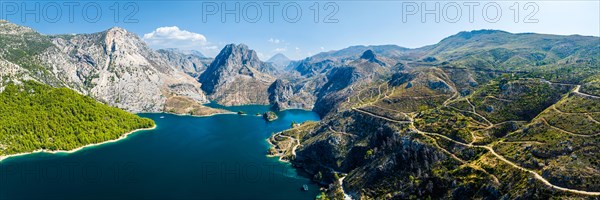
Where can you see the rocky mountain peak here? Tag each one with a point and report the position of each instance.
(120, 34)
(236, 68)
(126, 49)
(239, 52)
(237, 59)
(116, 29)
(368, 55)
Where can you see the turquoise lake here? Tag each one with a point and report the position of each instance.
(216, 157)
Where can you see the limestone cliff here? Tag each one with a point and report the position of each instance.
(237, 77)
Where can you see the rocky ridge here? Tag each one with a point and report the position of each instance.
(237, 77)
(114, 66)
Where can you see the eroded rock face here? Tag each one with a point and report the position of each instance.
(114, 66)
(283, 95)
(237, 77)
(280, 92)
(117, 67)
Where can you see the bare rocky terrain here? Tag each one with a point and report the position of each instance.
(115, 67)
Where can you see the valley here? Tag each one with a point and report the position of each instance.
(483, 114)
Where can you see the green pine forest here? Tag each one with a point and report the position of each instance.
(34, 116)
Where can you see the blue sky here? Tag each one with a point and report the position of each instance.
(191, 24)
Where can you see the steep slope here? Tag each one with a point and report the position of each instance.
(415, 138)
(113, 66)
(237, 77)
(558, 58)
(117, 67)
(369, 67)
(458, 121)
(285, 95)
(322, 85)
(19, 50)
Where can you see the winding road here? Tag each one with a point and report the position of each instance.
(584, 94)
(490, 149)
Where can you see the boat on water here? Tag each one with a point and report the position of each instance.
(162, 117)
(305, 187)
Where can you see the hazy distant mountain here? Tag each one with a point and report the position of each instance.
(500, 50)
(354, 52)
(280, 61)
(186, 52)
(191, 62)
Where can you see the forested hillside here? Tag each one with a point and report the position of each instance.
(39, 117)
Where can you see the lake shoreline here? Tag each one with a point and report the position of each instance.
(189, 115)
(2, 158)
(279, 155)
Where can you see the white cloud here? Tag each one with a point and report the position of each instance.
(173, 37)
(275, 41)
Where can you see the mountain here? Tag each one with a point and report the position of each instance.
(285, 95)
(195, 53)
(191, 62)
(318, 85)
(536, 53)
(114, 66)
(354, 52)
(280, 61)
(237, 77)
(481, 115)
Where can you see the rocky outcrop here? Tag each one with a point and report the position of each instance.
(370, 56)
(237, 77)
(280, 93)
(270, 116)
(283, 95)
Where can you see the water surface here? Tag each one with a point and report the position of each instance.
(216, 157)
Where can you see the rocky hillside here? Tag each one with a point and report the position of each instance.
(237, 77)
(113, 66)
(433, 126)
